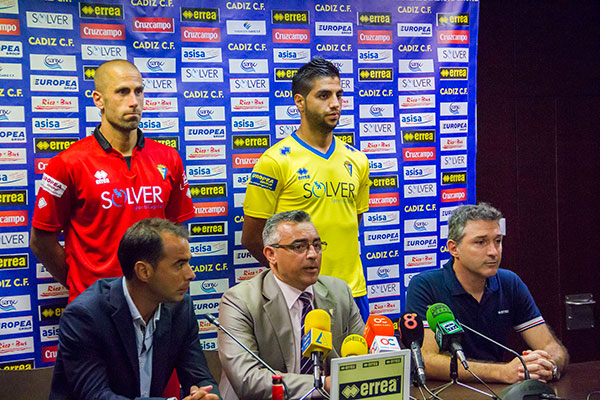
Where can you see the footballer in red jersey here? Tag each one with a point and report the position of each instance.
(103, 184)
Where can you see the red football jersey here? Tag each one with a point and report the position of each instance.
(90, 192)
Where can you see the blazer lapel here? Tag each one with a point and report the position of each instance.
(278, 314)
(324, 301)
(124, 325)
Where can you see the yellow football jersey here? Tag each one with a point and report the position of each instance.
(332, 187)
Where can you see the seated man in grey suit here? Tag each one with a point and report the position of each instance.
(265, 312)
(122, 337)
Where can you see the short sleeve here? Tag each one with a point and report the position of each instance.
(55, 197)
(180, 207)
(526, 313)
(362, 198)
(263, 188)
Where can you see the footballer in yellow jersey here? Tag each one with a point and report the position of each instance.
(313, 171)
(332, 187)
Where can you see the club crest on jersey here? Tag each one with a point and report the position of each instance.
(348, 166)
(303, 174)
(162, 170)
(101, 177)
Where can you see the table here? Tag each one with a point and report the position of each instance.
(579, 380)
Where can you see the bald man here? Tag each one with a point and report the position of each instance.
(105, 183)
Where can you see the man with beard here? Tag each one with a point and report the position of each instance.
(103, 184)
(313, 171)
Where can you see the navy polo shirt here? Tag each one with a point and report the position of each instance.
(506, 304)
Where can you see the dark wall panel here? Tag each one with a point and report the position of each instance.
(539, 149)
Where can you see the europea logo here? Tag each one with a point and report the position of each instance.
(143, 196)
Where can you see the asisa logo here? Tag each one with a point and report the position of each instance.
(142, 197)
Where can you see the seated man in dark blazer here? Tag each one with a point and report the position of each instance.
(122, 337)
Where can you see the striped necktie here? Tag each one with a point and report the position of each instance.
(305, 363)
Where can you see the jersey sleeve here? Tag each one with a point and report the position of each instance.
(180, 207)
(54, 201)
(419, 297)
(362, 198)
(526, 314)
(263, 188)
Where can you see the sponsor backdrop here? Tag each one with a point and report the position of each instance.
(217, 81)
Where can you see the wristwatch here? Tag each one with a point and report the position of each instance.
(555, 372)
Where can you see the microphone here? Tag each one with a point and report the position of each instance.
(316, 342)
(354, 345)
(448, 332)
(411, 335)
(211, 318)
(379, 334)
(377, 325)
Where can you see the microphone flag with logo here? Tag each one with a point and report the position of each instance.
(354, 345)
(379, 334)
(448, 333)
(411, 335)
(317, 333)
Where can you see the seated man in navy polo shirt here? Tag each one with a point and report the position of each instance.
(486, 298)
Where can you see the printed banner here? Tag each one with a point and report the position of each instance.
(217, 78)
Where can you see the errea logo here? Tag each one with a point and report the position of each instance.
(101, 177)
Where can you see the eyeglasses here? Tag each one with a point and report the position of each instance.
(302, 246)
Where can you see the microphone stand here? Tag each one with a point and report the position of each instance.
(318, 383)
(211, 318)
(454, 380)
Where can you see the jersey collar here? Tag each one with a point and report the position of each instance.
(317, 152)
(141, 141)
(456, 288)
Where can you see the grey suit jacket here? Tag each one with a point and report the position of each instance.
(255, 312)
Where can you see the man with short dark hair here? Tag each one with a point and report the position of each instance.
(102, 184)
(266, 312)
(123, 337)
(314, 171)
(487, 298)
